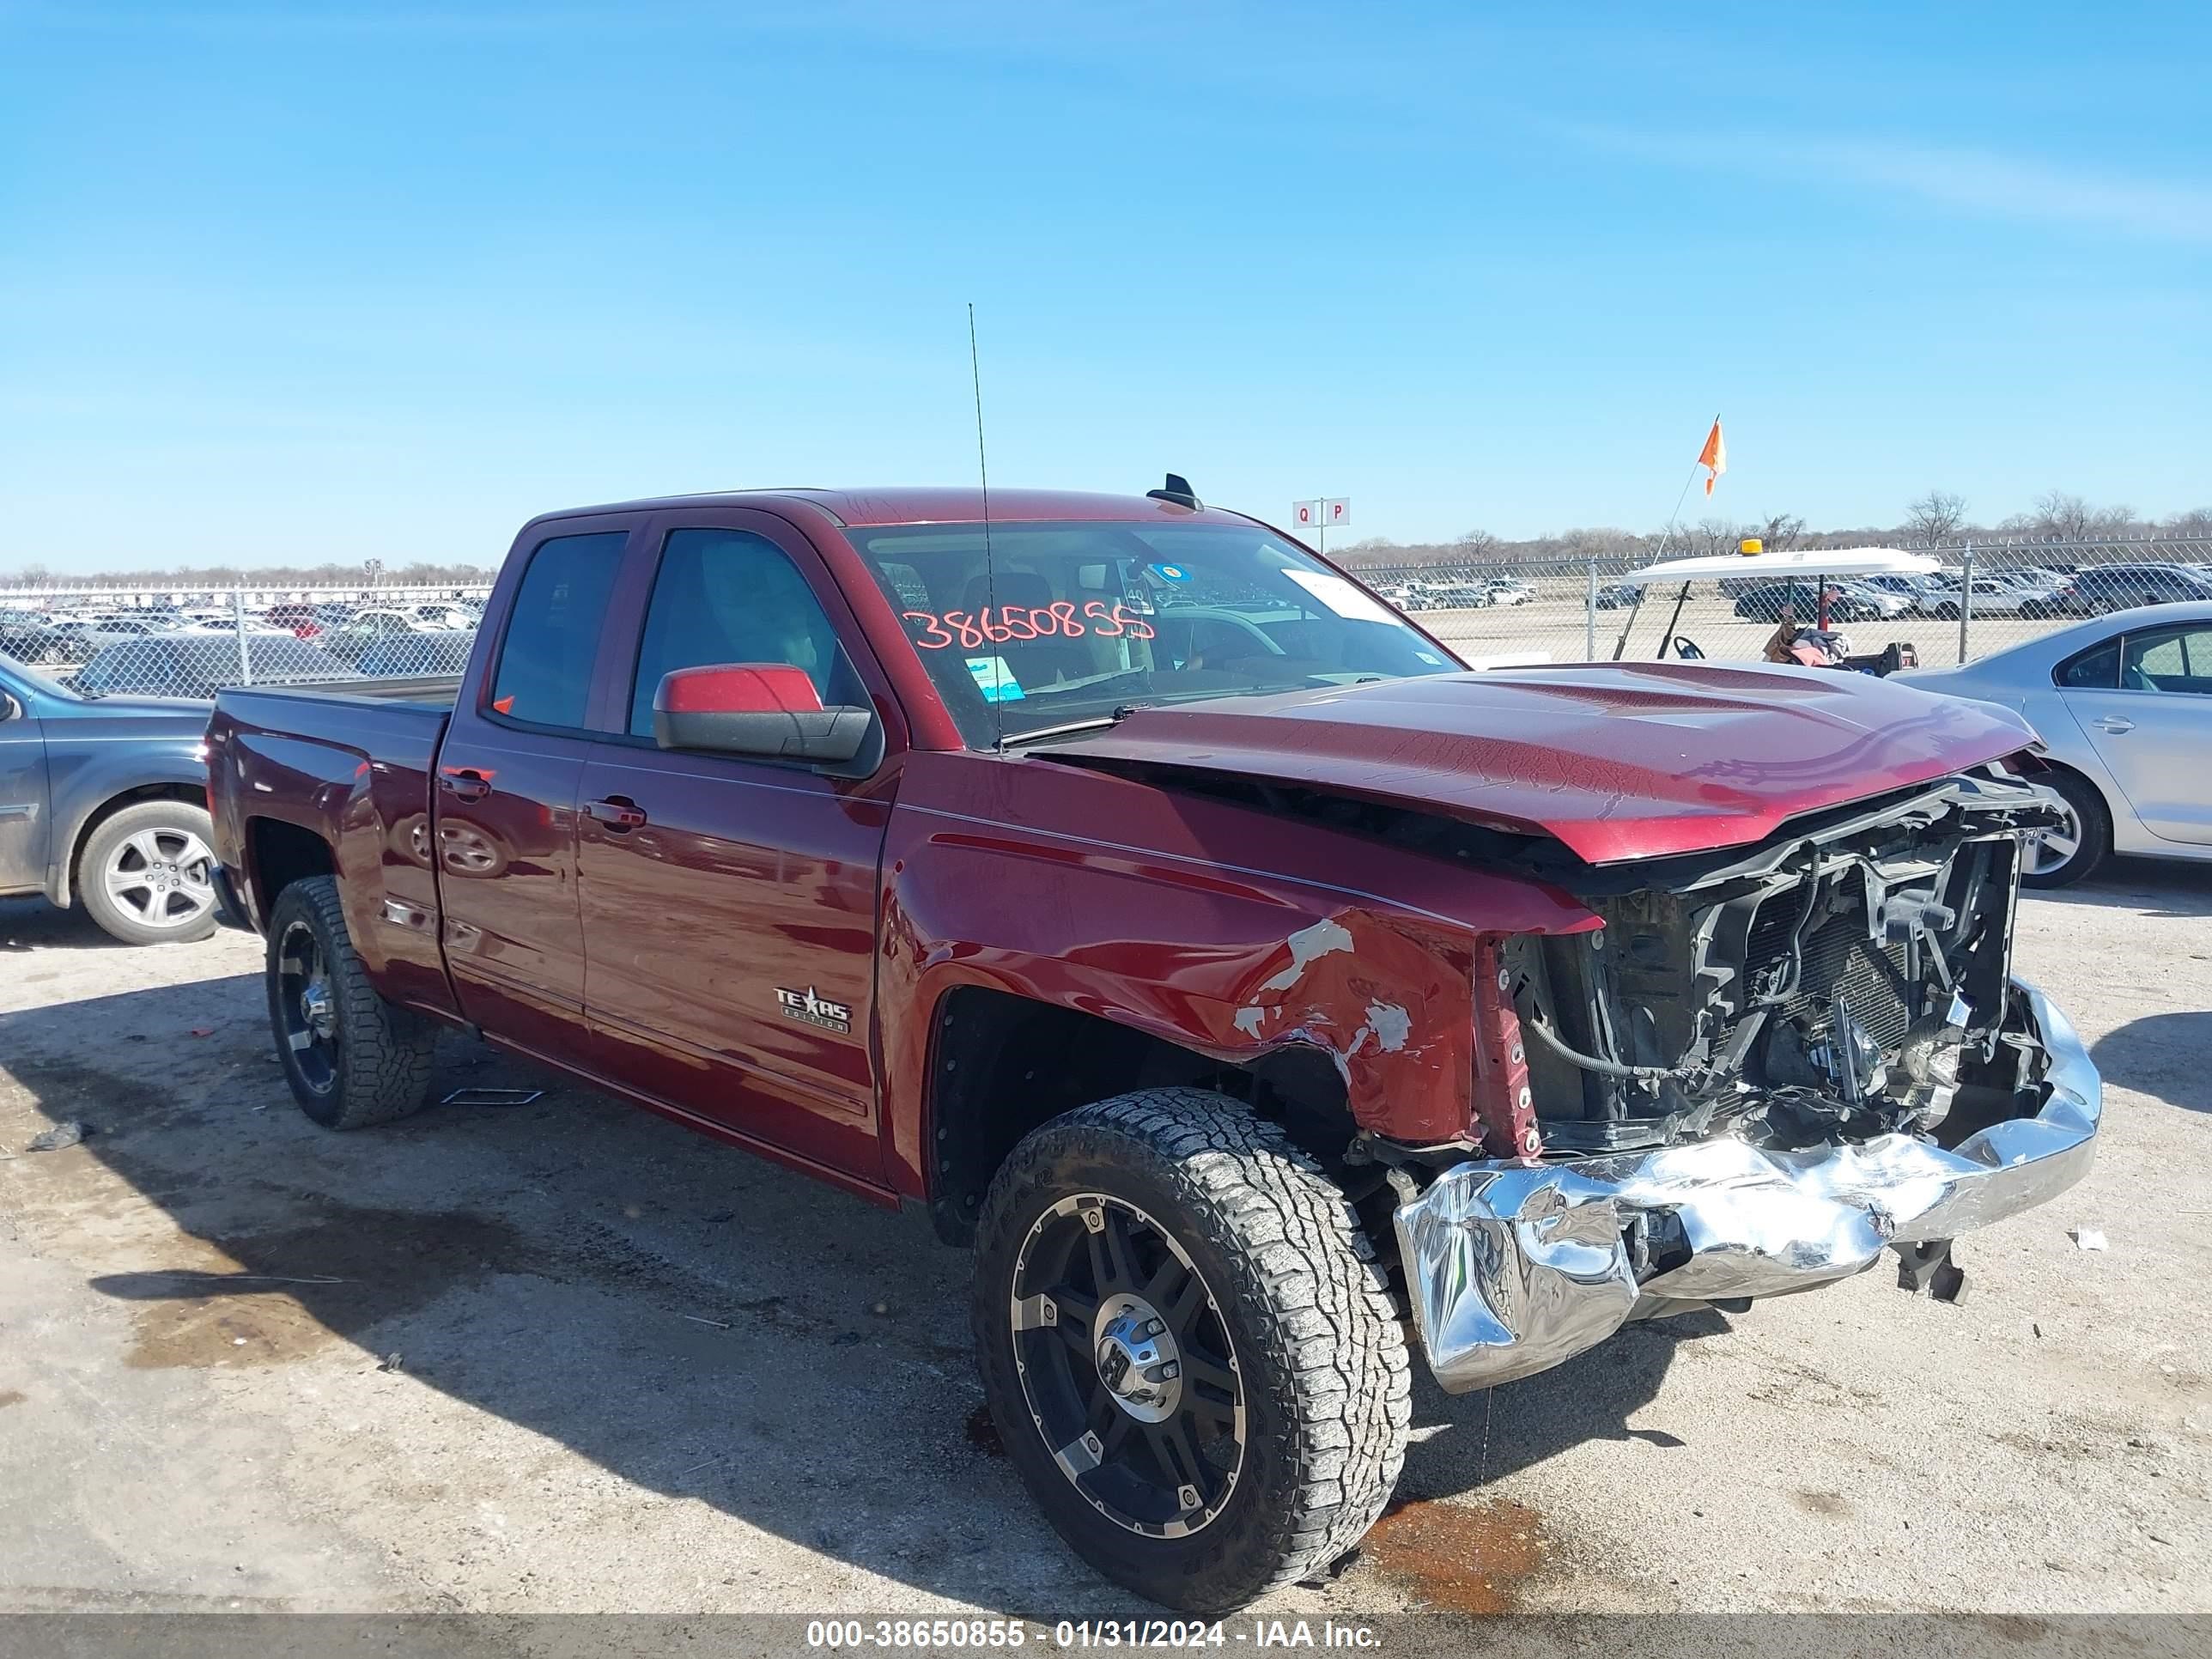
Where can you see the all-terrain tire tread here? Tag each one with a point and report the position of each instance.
(386, 1053)
(1344, 1384)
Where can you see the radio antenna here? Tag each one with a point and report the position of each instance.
(993, 692)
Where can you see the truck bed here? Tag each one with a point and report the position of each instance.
(345, 770)
(425, 690)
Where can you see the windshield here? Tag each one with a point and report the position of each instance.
(1072, 621)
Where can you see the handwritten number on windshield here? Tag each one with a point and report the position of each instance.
(1012, 623)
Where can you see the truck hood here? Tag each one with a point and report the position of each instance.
(1616, 761)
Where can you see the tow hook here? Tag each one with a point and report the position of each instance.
(1929, 1268)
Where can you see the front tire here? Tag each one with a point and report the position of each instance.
(147, 876)
(1188, 1351)
(2061, 857)
(352, 1058)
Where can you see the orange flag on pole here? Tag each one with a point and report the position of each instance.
(1714, 456)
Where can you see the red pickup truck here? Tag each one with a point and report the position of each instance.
(1260, 994)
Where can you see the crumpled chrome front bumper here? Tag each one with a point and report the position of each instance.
(1513, 1266)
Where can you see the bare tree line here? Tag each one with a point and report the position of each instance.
(1937, 518)
(1934, 519)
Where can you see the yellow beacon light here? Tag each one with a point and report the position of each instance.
(1750, 546)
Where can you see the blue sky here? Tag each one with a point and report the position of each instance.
(299, 282)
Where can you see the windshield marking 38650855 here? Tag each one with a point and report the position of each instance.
(1063, 623)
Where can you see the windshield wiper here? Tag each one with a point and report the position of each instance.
(1097, 722)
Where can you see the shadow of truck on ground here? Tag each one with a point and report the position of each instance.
(691, 1319)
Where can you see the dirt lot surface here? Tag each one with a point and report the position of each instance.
(568, 1356)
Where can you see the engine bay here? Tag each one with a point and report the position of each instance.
(1839, 983)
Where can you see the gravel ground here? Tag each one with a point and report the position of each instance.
(568, 1357)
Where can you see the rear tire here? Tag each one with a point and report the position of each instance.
(1279, 1434)
(2062, 857)
(147, 874)
(352, 1058)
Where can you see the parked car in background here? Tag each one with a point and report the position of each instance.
(1458, 596)
(1992, 597)
(1917, 592)
(445, 614)
(1510, 590)
(226, 625)
(97, 634)
(350, 638)
(1886, 604)
(197, 664)
(1619, 596)
(2123, 705)
(1764, 603)
(2098, 589)
(397, 655)
(306, 620)
(103, 804)
(31, 639)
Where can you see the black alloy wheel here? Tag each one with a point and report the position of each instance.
(1127, 1367)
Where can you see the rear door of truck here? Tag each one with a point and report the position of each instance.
(729, 904)
(505, 801)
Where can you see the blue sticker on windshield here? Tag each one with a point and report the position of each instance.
(994, 679)
(1169, 573)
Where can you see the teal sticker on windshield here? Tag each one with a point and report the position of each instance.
(994, 679)
(1169, 573)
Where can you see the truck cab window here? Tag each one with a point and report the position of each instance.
(544, 673)
(728, 596)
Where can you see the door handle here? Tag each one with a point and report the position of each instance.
(465, 785)
(617, 812)
(2115, 724)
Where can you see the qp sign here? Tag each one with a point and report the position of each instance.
(1307, 515)
(1336, 511)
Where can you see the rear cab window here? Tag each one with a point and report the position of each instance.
(543, 674)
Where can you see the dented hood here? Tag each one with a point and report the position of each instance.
(1617, 762)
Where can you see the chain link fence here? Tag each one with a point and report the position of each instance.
(1507, 610)
(138, 642)
(111, 640)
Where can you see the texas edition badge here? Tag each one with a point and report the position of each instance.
(811, 1009)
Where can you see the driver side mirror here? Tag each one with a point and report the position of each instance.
(761, 711)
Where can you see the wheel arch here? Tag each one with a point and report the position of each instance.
(1002, 1064)
(278, 852)
(68, 875)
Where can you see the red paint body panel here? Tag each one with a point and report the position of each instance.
(746, 689)
(1617, 762)
(761, 950)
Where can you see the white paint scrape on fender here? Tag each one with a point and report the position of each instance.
(1306, 946)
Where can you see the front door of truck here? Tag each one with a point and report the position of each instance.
(503, 817)
(729, 904)
(22, 795)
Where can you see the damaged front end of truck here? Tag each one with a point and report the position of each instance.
(1767, 1067)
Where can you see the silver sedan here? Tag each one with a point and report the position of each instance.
(2123, 705)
